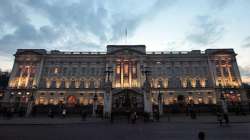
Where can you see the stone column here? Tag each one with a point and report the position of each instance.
(161, 104)
(147, 99)
(107, 99)
(39, 74)
(13, 72)
(236, 71)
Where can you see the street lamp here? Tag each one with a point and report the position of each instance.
(223, 102)
(94, 104)
(160, 100)
(146, 71)
(109, 71)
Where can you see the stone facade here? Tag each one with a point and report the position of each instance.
(125, 75)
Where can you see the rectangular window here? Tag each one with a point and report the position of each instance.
(225, 72)
(56, 70)
(218, 71)
(134, 71)
(126, 69)
(73, 71)
(83, 70)
(65, 71)
(92, 71)
(118, 69)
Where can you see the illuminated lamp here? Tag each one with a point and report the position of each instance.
(158, 62)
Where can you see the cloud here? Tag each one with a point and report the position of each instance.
(206, 31)
(246, 42)
(245, 73)
(219, 4)
(11, 13)
(73, 24)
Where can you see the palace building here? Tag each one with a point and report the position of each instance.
(124, 77)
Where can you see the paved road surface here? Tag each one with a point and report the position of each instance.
(124, 131)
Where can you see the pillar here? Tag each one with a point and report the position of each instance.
(107, 99)
(147, 99)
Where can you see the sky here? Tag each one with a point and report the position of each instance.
(90, 25)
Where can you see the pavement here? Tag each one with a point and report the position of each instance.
(123, 131)
(44, 120)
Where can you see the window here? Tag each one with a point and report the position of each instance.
(200, 100)
(81, 84)
(92, 71)
(218, 71)
(56, 70)
(225, 72)
(118, 69)
(232, 71)
(72, 84)
(205, 71)
(198, 84)
(92, 84)
(63, 84)
(46, 71)
(83, 70)
(223, 62)
(206, 83)
(64, 71)
(74, 72)
(125, 69)
(53, 84)
(41, 100)
(51, 101)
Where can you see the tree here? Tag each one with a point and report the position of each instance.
(4, 79)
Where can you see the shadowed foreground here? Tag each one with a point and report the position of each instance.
(124, 131)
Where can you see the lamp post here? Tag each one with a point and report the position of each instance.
(223, 102)
(148, 107)
(146, 71)
(30, 96)
(94, 105)
(224, 106)
(108, 72)
(108, 96)
(160, 100)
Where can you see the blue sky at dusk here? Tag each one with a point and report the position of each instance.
(89, 25)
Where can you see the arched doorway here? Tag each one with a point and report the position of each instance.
(127, 100)
(71, 101)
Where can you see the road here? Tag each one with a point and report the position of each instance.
(124, 131)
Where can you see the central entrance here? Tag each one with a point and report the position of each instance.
(127, 100)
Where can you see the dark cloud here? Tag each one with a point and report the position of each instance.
(206, 31)
(73, 24)
(246, 42)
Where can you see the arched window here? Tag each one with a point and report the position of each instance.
(63, 84)
(198, 84)
(53, 84)
(72, 84)
(189, 85)
(81, 84)
(160, 84)
(92, 84)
